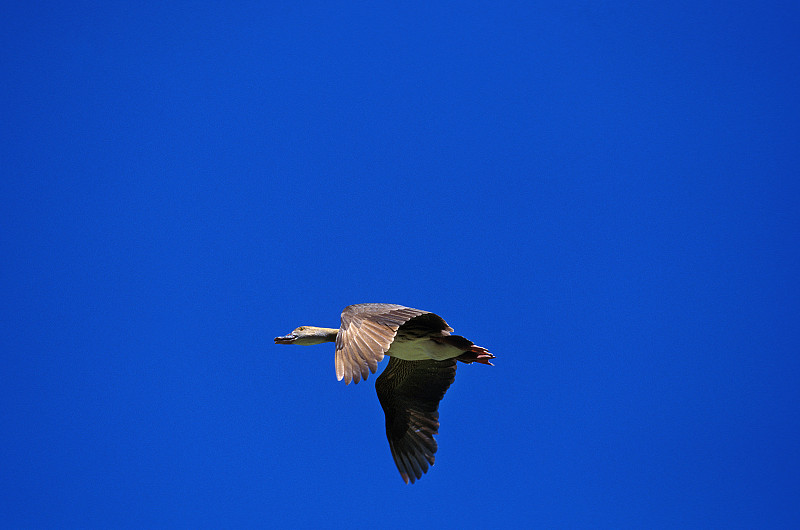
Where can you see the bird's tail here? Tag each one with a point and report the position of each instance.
(472, 352)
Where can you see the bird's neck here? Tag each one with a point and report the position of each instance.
(328, 334)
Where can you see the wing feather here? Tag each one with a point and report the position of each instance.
(410, 392)
(366, 333)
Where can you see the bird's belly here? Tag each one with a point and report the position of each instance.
(422, 350)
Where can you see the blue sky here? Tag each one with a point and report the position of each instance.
(604, 195)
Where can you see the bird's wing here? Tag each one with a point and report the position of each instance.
(410, 392)
(366, 333)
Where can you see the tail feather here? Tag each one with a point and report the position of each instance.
(472, 352)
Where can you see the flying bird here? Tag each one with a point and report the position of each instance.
(422, 366)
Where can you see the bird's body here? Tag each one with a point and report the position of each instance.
(423, 365)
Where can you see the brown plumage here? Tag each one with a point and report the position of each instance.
(410, 392)
(422, 367)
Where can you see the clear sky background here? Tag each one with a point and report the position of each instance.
(605, 196)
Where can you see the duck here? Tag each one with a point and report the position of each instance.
(423, 355)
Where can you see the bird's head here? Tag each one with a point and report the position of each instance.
(308, 336)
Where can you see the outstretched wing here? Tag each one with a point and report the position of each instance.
(410, 392)
(366, 333)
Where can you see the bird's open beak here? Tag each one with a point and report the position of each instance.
(286, 339)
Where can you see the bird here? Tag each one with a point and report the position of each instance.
(422, 366)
